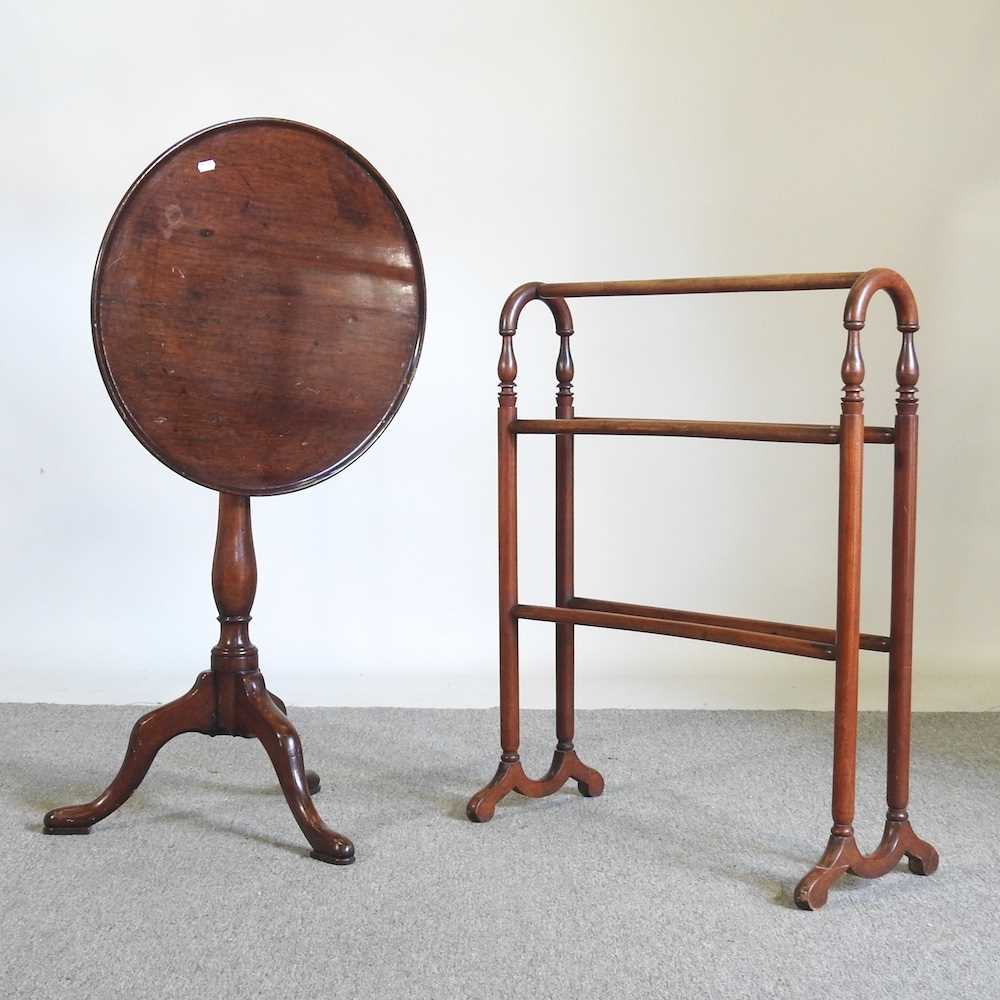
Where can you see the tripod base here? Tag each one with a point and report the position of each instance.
(221, 703)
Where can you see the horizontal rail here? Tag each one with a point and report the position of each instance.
(685, 629)
(697, 286)
(875, 643)
(735, 431)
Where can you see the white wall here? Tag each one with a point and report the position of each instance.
(528, 141)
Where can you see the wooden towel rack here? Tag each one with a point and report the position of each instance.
(840, 643)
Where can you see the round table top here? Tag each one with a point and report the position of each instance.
(258, 306)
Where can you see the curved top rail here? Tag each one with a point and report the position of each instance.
(863, 286)
(880, 279)
(695, 286)
(524, 294)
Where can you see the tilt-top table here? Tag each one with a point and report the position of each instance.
(841, 643)
(258, 310)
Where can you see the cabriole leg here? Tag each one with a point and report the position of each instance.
(191, 713)
(312, 778)
(258, 716)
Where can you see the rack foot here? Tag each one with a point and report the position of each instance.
(510, 777)
(843, 856)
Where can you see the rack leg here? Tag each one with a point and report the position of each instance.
(811, 892)
(842, 854)
(921, 856)
(481, 806)
(845, 726)
(565, 652)
(565, 766)
(510, 708)
(565, 761)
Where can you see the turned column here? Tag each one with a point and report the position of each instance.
(507, 505)
(845, 724)
(904, 520)
(565, 653)
(234, 584)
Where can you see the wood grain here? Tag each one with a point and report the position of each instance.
(258, 311)
(726, 429)
(842, 643)
(258, 323)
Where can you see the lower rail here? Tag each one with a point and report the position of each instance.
(727, 429)
(874, 643)
(796, 640)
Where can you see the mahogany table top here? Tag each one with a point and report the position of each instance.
(258, 306)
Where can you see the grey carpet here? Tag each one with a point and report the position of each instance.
(677, 883)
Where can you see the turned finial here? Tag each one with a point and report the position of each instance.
(564, 369)
(852, 371)
(507, 371)
(907, 374)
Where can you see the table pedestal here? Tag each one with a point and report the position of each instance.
(231, 699)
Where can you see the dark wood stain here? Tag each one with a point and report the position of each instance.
(255, 343)
(841, 644)
(258, 324)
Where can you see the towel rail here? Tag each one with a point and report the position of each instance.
(842, 643)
